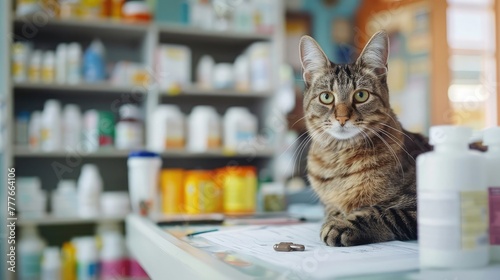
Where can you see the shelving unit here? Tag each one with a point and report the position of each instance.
(61, 221)
(101, 88)
(136, 43)
(200, 92)
(113, 153)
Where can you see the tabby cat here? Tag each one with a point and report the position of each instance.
(361, 162)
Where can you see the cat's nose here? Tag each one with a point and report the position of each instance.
(342, 120)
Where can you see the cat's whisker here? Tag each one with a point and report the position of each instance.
(298, 121)
(296, 154)
(291, 145)
(398, 130)
(392, 118)
(302, 151)
(294, 158)
(367, 140)
(394, 154)
(400, 145)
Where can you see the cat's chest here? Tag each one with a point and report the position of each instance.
(346, 180)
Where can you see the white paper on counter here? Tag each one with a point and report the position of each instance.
(318, 260)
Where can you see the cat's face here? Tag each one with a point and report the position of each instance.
(346, 102)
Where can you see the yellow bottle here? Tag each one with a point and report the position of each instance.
(68, 261)
(239, 188)
(201, 194)
(172, 191)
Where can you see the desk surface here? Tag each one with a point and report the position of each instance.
(163, 254)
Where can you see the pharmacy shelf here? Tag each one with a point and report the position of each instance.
(21, 152)
(105, 27)
(200, 92)
(98, 88)
(95, 28)
(50, 220)
(218, 154)
(193, 35)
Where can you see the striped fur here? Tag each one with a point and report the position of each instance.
(364, 170)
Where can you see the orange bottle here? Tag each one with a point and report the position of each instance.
(172, 191)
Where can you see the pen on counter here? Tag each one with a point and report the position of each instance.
(200, 232)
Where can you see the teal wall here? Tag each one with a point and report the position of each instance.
(322, 17)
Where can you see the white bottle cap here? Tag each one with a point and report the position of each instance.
(130, 111)
(52, 104)
(491, 136)
(449, 134)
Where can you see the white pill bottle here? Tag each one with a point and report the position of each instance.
(492, 140)
(452, 202)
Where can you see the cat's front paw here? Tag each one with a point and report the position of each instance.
(341, 233)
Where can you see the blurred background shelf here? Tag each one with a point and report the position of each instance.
(193, 34)
(21, 152)
(100, 27)
(79, 88)
(50, 220)
(104, 153)
(194, 91)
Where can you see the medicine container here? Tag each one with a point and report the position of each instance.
(452, 202)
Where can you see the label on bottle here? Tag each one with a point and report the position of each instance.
(29, 266)
(87, 271)
(453, 221)
(175, 135)
(494, 202)
(213, 137)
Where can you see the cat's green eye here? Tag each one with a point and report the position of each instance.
(326, 98)
(361, 96)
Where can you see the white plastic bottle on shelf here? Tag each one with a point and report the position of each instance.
(61, 63)
(452, 202)
(89, 191)
(143, 173)
(51, 264)
(35, 67)
(72, 127)
(34, 129)
(223, 76)
(113, 257)
(65, 199)
(204, 129)
(48, 67)
(204, 72)
(492, 140)
(87, 258)
(259, 55)
(240, 128)
(29, 249)
(166, 129)
(242, 73)
(129, 130)
(51, 136)
(90, 134)
(20, 56)
(74, 63)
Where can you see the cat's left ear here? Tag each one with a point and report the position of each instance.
(376, 53)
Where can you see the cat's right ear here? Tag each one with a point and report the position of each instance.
(314, 61)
